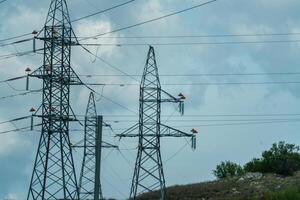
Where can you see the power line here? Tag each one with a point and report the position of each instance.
(108, 64)
(176, 75)
(76, 20)
(198, 36)
(213, 120)
(189, 126)
(227, 124)
(217, 115)
(20, 94)
(120, 105)
(244, 123)
(200, 84)
(16, 119)
(13, 79)
(151, 20)
(196, 43)
(16, 42)
(19, 129)
(19, 54)
(15, 37)
(102, 11)
(202, 74)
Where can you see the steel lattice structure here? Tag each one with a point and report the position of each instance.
(148, 172)
(89, 182)
(54, 175)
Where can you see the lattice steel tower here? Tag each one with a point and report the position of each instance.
(89, 182)
(148, 173)
(53, 175)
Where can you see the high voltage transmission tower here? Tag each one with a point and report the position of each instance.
(89, 182)
(148, 172)
(53, 174)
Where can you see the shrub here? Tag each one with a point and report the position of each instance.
(227, 169)
(254, 165)
(281, 159)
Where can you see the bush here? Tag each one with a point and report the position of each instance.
(227, 169)
(282, 158)
(254, 165)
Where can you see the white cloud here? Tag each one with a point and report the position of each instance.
(11, 197)
(96, 27)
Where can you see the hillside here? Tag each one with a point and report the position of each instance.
(250, 186)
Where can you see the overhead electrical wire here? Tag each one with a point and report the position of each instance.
(120, 105)
(183, 126)
(16, 42)
(194, 43)
(151, 20)
(19, 54)
(225, 124)
(102, 11)
(216, 115)
(200, 74)
(16, 119)
(15, 37)
(75, 20)
(13, 79)
(199, 36)
(108, 63)
(244, 123)
(200, 84)
(19, 129)
(182, 75)
(20, 94)
(213, 120)
(176, 36)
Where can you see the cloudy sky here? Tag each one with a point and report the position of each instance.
(235, 121)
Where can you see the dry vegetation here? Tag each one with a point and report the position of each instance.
(236, 188)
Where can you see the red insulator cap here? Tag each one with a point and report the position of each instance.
(27, 69)
(194, 131)
(182, 97)
(32, 110)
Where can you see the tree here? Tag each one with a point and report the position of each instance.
(281, 159)
(227, 169)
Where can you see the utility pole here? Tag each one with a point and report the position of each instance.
(89, 182)
(148, 172)
(53, 174)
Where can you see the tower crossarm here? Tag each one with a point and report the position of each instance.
(108, 145)
(128, 132)
(40, 73)
(166, 97)
(104, 145)
(167, 131)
